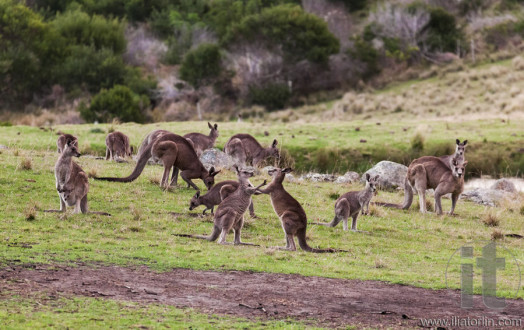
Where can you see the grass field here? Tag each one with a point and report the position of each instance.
(400, 246)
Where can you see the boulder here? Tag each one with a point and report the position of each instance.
(317, 177)
(349, 177)
(488, 197)
(392, 175)
(216, 158)
(504, 185)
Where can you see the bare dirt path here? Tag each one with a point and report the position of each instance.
(316, 300)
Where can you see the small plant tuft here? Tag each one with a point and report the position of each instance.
(490, 218)
(497, 234)
(30, 212)
(135, 212)
(25, 164)
(417, 142)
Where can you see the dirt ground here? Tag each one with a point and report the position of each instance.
(315, 300)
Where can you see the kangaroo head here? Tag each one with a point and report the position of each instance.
(209, 179)
(67, 195)
(195, 201)
(372, 182)
(458, 168)
(461, 147)
(279, 174)
(214, 130)
(71, 148)
(274, 152)
(131, 151)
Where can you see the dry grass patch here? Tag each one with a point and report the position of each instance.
(30, 212)
(135, 212)
(497, 234)
(92, 173)
(154, 180)
(490, 218)
(380, 263)
(25, 164)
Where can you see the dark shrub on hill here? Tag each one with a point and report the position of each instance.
(273, 97)
(201, 64)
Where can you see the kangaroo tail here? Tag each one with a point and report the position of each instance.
(213, 237)
(83, 205)
(396, 206)
(99, 213)
(408, 195)
(301, 235)
(140, 165)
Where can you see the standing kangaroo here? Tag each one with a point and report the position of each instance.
(72, 183)
(63, 139)
(213, 197)
(173, 151)
(117, 145)
(230, 212)
(460, 150)
(202, 142)
(291, 214)
(245, 148)
(432, 173)
(351, 203)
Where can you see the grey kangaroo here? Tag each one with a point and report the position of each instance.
(460, 150)
(202, 142)
(230, 212)
(72, 183)
(117, 145)
(351, 203)
(212, 198)
(63, 139)
(245, 148)
(291, 214)
(173, 151)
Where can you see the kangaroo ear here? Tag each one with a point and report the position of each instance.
(275, 142)
(215, 173)
(287, 170)
(132, 149)
(197, 194)
(211, 170)
(367, 176)
(69, 142)
(376, 177)
(209, 125)
(458, 141)
(465, 142)
(216, 126)
(454, 162)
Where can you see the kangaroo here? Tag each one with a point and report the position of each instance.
(173, 151)
(63, 139)
(202, 142)
(149, 139)
(245, 148)
(213, 197)
(230, 212)
(117, 145)
(72, 183)
(432, 173)
(351, 203)
(291, 214)
(460, 150)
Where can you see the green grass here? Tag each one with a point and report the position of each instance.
(409, 247)
(43, 311)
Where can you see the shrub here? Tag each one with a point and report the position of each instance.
(353, 5)
(364, 51)
(273, 97)
(417, 142)
(118, 102)
(490, 218)
(201, 64)
(443, 31)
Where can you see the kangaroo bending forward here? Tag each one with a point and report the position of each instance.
(245, 148)
(202, 142)
(173, 151)
(117, 145)
(213, 197)
(230, 212)
(351, 203)
(63, 139)
(432, 173)
(291, 214)
(72, 183)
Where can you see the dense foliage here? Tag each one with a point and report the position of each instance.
(201, 64)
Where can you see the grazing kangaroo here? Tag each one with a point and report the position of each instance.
(63, 139)
(117, 145)
(230, 212)
(291, 214)
(202, 142)
(173, 151)
(72, 183)
(245, 148)
(432, 173)
(351, 203)
(213, 197)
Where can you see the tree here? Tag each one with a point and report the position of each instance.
(201, 64)
(118, 102)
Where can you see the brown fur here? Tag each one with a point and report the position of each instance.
(213, 197)
(351, 203)
(117, 145)
(291, 214)
(230, 212)
(202, 142)
(245, 149)
(63, 139)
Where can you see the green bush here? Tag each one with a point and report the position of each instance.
(364, 51)
(118, 102)
(273, 97)
(300, 35)
(353, 5)
(443, 31)
(201, 64)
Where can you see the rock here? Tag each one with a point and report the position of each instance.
(3, 147)
(489, 197)
(392, 175)
(317, 177)
(216, 158)
(504, 185)
(349, 177)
